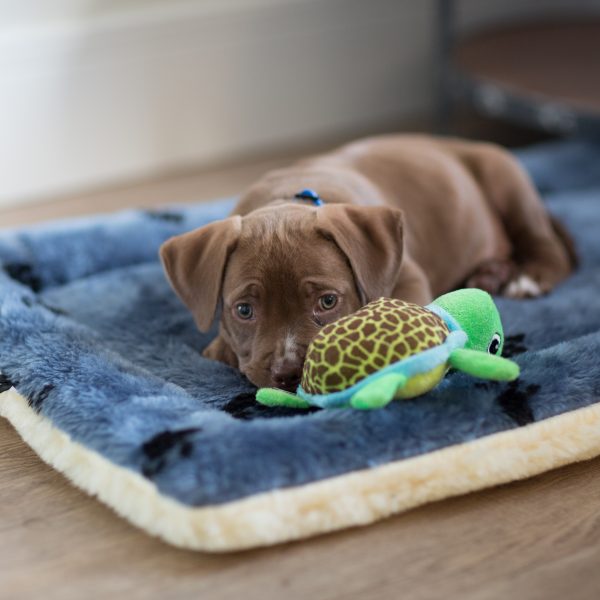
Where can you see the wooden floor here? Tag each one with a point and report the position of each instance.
(537, 539)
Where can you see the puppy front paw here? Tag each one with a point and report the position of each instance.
(220, 350)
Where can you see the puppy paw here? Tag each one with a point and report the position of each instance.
(492, 276)
(523, 286)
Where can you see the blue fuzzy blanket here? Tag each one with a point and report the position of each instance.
(93, 337)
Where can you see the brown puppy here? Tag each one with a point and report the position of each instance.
(404, 216)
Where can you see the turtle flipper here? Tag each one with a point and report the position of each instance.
(483, 365)
(378, 393)
(275, 397)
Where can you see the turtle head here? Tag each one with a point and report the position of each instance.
(475, 312)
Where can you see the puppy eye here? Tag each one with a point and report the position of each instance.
(494, 344)
(244, 310)
(328, 301)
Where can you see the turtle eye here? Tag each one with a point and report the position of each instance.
(494, 346)
(328, 301)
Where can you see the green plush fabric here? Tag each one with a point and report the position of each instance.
(275, 397)
(380, 392)
(475, 312)
(483, 365)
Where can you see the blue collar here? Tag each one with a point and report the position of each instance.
(310, 195)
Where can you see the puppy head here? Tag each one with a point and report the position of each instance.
(280, 273)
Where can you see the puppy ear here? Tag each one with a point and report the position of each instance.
(371, 237)
(195, 264)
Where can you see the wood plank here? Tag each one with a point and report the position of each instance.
(173, 188)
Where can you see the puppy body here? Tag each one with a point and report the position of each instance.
(404, 216)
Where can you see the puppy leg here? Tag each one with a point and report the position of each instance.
(541, 252)
(503, 277)
(413, 285)
(220, 350)
(492, 276)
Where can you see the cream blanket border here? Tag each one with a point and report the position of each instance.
(357, 498)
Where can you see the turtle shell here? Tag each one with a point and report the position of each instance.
(358, 345)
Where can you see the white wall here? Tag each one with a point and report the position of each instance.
(97, 91)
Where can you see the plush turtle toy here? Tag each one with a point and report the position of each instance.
(393, 349)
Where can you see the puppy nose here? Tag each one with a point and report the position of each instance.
(287, 377)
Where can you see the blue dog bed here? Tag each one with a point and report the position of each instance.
(102, 374)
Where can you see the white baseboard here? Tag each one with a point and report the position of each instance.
(90, 102)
